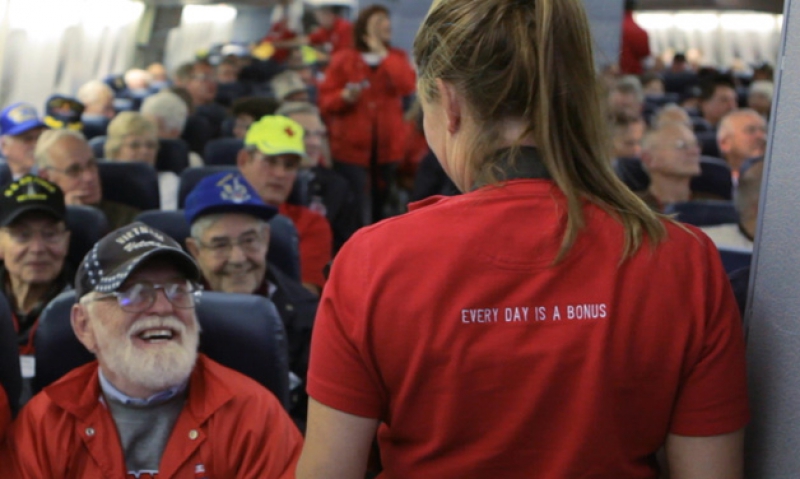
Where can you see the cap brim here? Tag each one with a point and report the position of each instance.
(263, 212)
(39, 208)
(183, 262)
(280, 151)
(25, 126)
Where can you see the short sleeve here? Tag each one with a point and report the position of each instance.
(341, 373)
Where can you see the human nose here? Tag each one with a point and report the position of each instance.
(161, 304)
(237, 254)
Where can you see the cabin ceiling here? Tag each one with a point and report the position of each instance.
(769, 6)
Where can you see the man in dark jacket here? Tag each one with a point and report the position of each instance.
(229, 239)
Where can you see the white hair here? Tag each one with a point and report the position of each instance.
(168, 107)
(93, 92)
(762, 87)
(290, 108)
(48, 140)
(200, 225)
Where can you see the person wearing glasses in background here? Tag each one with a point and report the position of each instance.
(65, 158)
(274, 150)
(671, 156)
(200, 80)
(33, 246)
(150, 405)
(230, 240)
(133, 138)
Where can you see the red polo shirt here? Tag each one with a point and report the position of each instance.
(481, 358)
(339, 37)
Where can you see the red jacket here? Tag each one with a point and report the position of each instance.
(635, 46)
(378, 112)
(5, 414)
(316, 241)
(339, 37)
(230, 427)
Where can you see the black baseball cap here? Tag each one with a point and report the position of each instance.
(117, 255)
(31, 193)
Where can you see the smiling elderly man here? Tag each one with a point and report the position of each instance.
(151, 406)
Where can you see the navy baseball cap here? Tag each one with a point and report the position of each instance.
(18, 118)
(118, 254)
(226, 193)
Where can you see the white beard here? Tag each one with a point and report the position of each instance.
(156, 369)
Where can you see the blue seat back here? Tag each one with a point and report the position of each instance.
(242, 332)
(132, 184)
(715, 177)
(704, 213)
(708, 143)
(222, 151)
(734, 260)
(86, 225)
(173, 155)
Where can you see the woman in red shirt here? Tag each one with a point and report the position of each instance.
(362, 101)
(545, 324)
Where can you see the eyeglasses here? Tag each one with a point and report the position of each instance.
(24, 236)
(135, 145)
(684, 145)
(141, 296)
(76, 169)
(250, 243)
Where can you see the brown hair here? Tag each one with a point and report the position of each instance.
(532, 61)
(360, 27)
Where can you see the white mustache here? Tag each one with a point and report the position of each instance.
(157, 322)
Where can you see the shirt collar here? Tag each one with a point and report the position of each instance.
(159, 398)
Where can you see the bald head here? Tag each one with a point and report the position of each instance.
(742, 135)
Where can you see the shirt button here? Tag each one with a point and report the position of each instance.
(90, 431)
(193, 434)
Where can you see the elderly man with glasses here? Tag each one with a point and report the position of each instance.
(65, 158)
(273, 153)
(230, 240)
(150, 406)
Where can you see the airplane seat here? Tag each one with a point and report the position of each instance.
(704, 212)
(708, 143)
(132, 184)
(632, 173)
(173, 155)
(94, 127)
(242, 332)
(87, 225)
(98, 145)
(734, 260)
(715, 178)
(197, 132)
(222, 151)
(173, 223)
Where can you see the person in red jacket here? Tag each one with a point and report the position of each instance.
(151, 405)
(272, 154)
(334, 33)
(635, 43)
(5, 414)
(362, 101)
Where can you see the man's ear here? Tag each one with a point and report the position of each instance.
(81, 325)
(193, 247)
(453, 103)
(724, 143)
(242, 158)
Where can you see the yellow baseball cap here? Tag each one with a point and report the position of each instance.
(276, 135)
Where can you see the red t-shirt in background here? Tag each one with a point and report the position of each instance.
(5, 414)
(635, 46)
(481, 359)
(316, 241)
(280, 32)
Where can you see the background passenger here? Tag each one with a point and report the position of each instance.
(20, 128)
(742, 136)
(169, 113)
(741, 235)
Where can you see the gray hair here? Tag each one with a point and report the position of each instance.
(93, 92)
(290, 108)
(168, 107)
(48, 140)
(202, 224)
(630, 85)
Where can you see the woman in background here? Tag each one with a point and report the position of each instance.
(361, 99)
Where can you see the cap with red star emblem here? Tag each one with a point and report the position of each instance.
(276, 135)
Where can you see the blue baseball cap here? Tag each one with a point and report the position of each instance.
(18, 118)
(226, 192)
